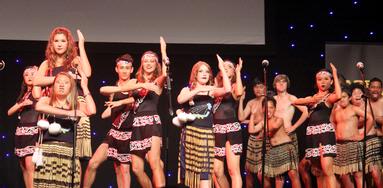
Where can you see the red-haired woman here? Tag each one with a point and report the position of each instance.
(26, 131)
(227, 129)
(197, 138)
(116, 144)
(56, 170)
(61, 55)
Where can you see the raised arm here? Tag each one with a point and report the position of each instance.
(84, 61)
(243, 113)
(238, 87)
(165, 62)
(225, 80)
(334, 97)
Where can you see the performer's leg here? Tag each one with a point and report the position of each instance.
(27, 168)
(346, 181)
(219, 173)
(304, 171)
(99, 156)
(249, 177)
(154, 156)
(233, 164)
(294, 177)
(358, 176)
(122, 174)
(327, 168)
(138, 169)
(377, 176)
(205, 183)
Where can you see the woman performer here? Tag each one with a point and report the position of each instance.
(57, 144)
(320, 133)
(147, 129)
(61, 55)
(197, 139)
(26, 131)
(227, 129)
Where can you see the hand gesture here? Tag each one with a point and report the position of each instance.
(333, 68)
(289, 130)
(113, 104)
(220, 63)
(26, 102)
(150, 86)
(205, 89)
(81, 38)
(238, 68)
(74, 76)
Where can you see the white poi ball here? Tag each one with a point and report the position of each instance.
(54, 128)
(43, 124)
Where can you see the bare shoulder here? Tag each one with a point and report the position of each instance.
(292, 97)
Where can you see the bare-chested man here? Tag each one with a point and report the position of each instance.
(286, 110)
(373, 144)
(376, 101)
(348, 160)
(281, 157)
(254, 146)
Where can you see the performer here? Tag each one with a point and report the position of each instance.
(348, 160)
(227, 129)
(147, 129)
(254, 146)
(57, 144)
(281, 157)
(26, 134)
(61, 55)
(320, 133)
(116, 144)
(286, 110)
(373, 156)
(197, 138)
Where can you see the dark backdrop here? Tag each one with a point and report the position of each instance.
(296, 34)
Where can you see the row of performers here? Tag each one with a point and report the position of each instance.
(212, 132)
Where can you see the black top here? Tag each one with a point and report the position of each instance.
(146, 102)
(203, 110)
(66, 124)
(319, 114)
(28, 114)
(225, 107)
(57, 70)
(122, 116)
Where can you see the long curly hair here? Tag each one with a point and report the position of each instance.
(71, 98)
(71, 52)
(194, 72)
(140, 72)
